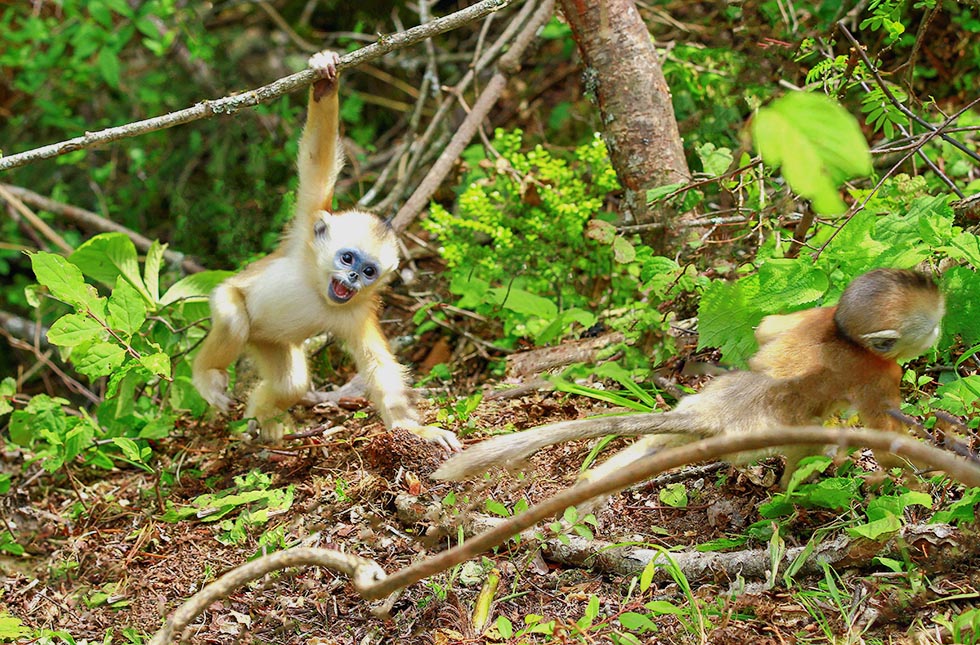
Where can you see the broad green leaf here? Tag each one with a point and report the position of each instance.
(876, 529)
(636, 622)
(8, 387)
(151, 269)
(817, 143)
(835, 493)
(195, 287)
(495, 507)
(127, 309)
(727, 317)
(960, 397)
(12, 628)
(962, 287)
(623, 251)
(107, 256)
(108, 64)
(65, 282)
(600, 230)
(524, 302)
(128, 447)
(158, 363)
(674, 495)
(664, 608)
(790, 284)
(715, 161)
(158, 428)
(99, 359)
(73, 329)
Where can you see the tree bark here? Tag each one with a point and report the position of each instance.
(624, 72)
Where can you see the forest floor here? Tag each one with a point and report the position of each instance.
(106, 558)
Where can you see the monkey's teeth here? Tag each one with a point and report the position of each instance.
(341, 290)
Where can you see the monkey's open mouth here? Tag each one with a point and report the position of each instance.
(340, 292)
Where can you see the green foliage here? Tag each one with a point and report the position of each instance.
(899, 227)
(133, 337)
(252, 498)
(531, 246)
(817, 143)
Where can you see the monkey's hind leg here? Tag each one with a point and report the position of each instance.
(285, 380)
(225, 342)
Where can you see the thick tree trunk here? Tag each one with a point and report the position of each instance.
(623, 70)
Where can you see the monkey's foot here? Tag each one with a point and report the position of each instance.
(269, 431)
(447, 439)
(213, 387)
(325, 64)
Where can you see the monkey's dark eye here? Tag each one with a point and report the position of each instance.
(883, 344)
(370, 271)
(347, 258)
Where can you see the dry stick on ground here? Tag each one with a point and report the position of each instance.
(363, 574)
(967, 472)
(509, 63)
(95, 222)
(946, 546)
(251, 98)
(364, 571)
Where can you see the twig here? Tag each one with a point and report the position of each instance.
(363, 574)
(251, 98)
(898, 104)
(39, 224)
(508, 63)
(420, 147)
(94, 221)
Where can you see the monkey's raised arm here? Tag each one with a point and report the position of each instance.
(320, 154)
(512, 448)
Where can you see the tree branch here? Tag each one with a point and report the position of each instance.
(95, 222)
(264, 94)
(509, 63)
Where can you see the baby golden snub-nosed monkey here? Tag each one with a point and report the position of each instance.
(324, 277)
(810, 364)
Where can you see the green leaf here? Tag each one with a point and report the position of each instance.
(524, 302)
(108, 256)
(818, 144)
(12, 628)
(674, 495)
(158, 363)
(99, 359)
(877, 529)
(129, 448)
(73, 329)
(714, 161)
(623, 251)
(195, 287)
(495, 507)
(8, 387)
(65, 282)
(636, 622)
(600, 230)
(108, 64)
(727, 317)
(151, 269)
(664, 608)
(127, 309)
(790, 284)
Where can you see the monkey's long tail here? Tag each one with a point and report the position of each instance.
(507, 450)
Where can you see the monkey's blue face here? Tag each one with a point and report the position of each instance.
(355, 270)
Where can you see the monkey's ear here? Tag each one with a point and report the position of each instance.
(319, 229)
(882, 341)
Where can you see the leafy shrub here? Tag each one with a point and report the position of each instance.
(533, 246)
(134, 338)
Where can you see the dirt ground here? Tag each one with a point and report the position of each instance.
(102, 558)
